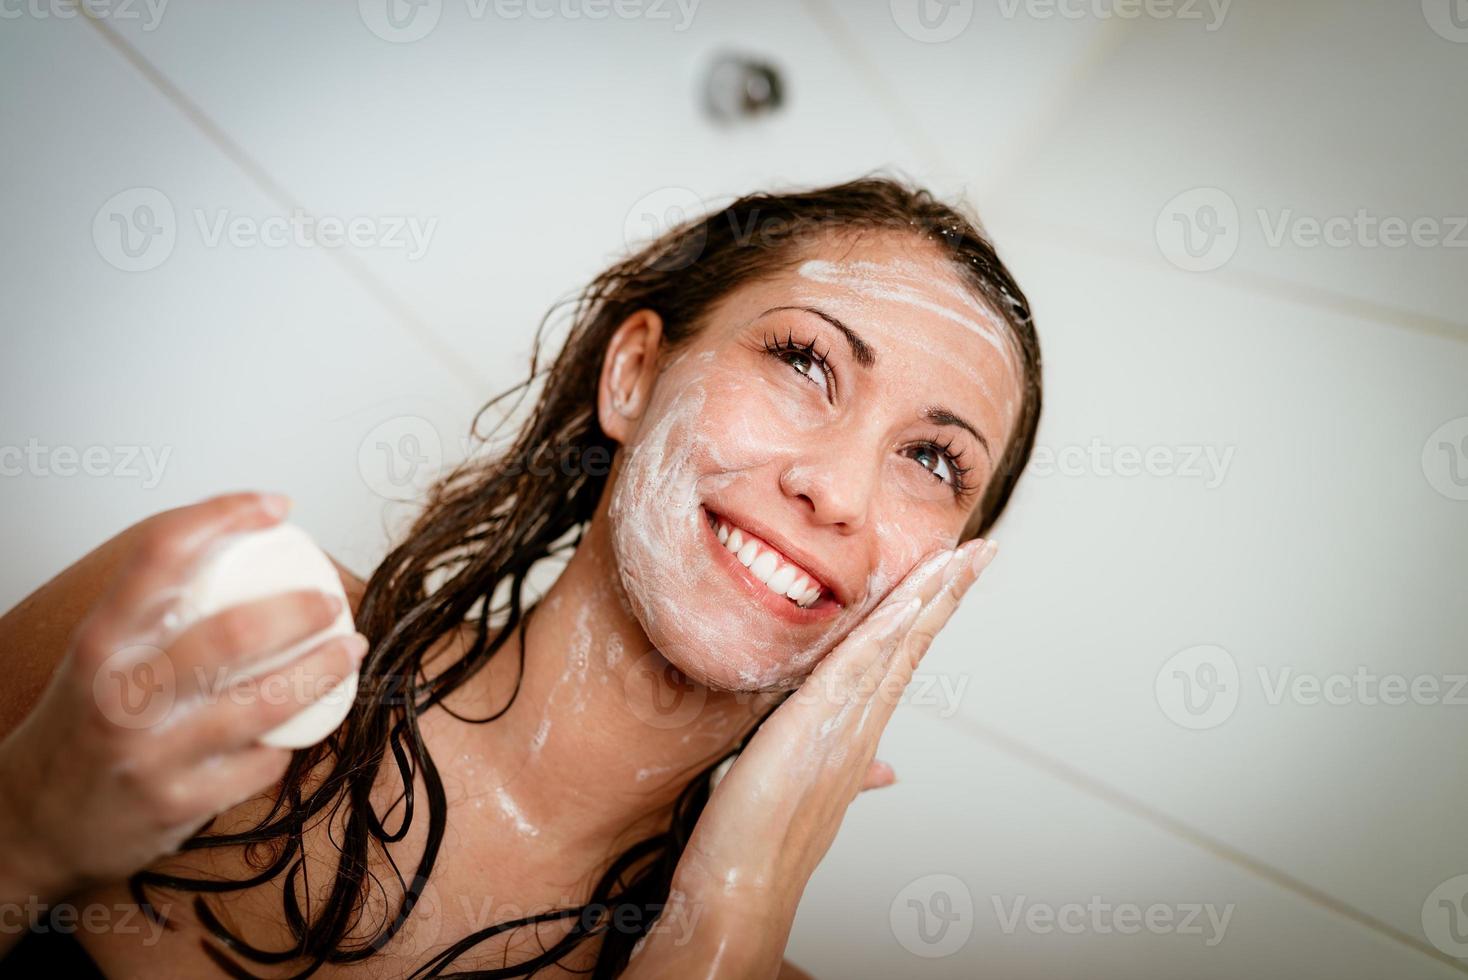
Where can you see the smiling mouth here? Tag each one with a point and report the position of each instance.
(781, 576)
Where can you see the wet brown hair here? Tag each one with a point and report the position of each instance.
(485, 525)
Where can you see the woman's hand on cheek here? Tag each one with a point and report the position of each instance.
(775, 813)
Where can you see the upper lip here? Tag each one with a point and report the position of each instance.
(806, 560)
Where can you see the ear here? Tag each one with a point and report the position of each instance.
(628, 373)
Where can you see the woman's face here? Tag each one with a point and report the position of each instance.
(825, 430)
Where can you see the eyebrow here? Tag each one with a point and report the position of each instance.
(867, 357)
(942, 416)
(860, 349)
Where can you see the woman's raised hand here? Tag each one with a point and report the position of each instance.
(142, 735)
(773, 816)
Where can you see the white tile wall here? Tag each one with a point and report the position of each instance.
(994, 844)
(1300, 110)
(1052, 770)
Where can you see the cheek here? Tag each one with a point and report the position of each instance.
(698, 434)
(748, 420)
(705, 431)
(904, 538)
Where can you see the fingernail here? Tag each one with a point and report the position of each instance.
(985, 555)
(940, 560)
(356, 645)
(275, 504)
(954, 567)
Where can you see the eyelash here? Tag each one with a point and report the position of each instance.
(961, 486)
(783, 349)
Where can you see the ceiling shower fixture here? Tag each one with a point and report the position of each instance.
(738, 88)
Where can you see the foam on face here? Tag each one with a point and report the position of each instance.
(664, 562)
(709, 430)
(862, 286)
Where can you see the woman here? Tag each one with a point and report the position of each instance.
(757, 450)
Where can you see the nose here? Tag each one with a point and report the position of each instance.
(836, 488)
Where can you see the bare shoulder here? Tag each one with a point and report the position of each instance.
(789, 971)
(35, 634)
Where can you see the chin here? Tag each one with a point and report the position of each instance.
(715, 645)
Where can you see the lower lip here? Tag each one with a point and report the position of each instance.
(824, 608)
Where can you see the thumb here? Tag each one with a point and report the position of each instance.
(879, 774)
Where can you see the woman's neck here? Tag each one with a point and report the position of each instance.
(603, 733)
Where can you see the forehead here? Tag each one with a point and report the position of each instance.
(935, 340)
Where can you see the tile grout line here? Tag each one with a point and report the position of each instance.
(419, 331)
(1256, 283)
(1299, 293)
(1115, 798)
(869, 69)
(1101, 48)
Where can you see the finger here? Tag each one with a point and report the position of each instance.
(878, 774)
(864, 670)
(960, 576)
(218, 782)
(169, 543)
(872, 639)
(230, 640)
(247, 707)
(887, 679)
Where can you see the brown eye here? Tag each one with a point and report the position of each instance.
(941, 461)
(934, 462)
(804, 359)
(801, 362)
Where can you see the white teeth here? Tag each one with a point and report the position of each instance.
(766, 565)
